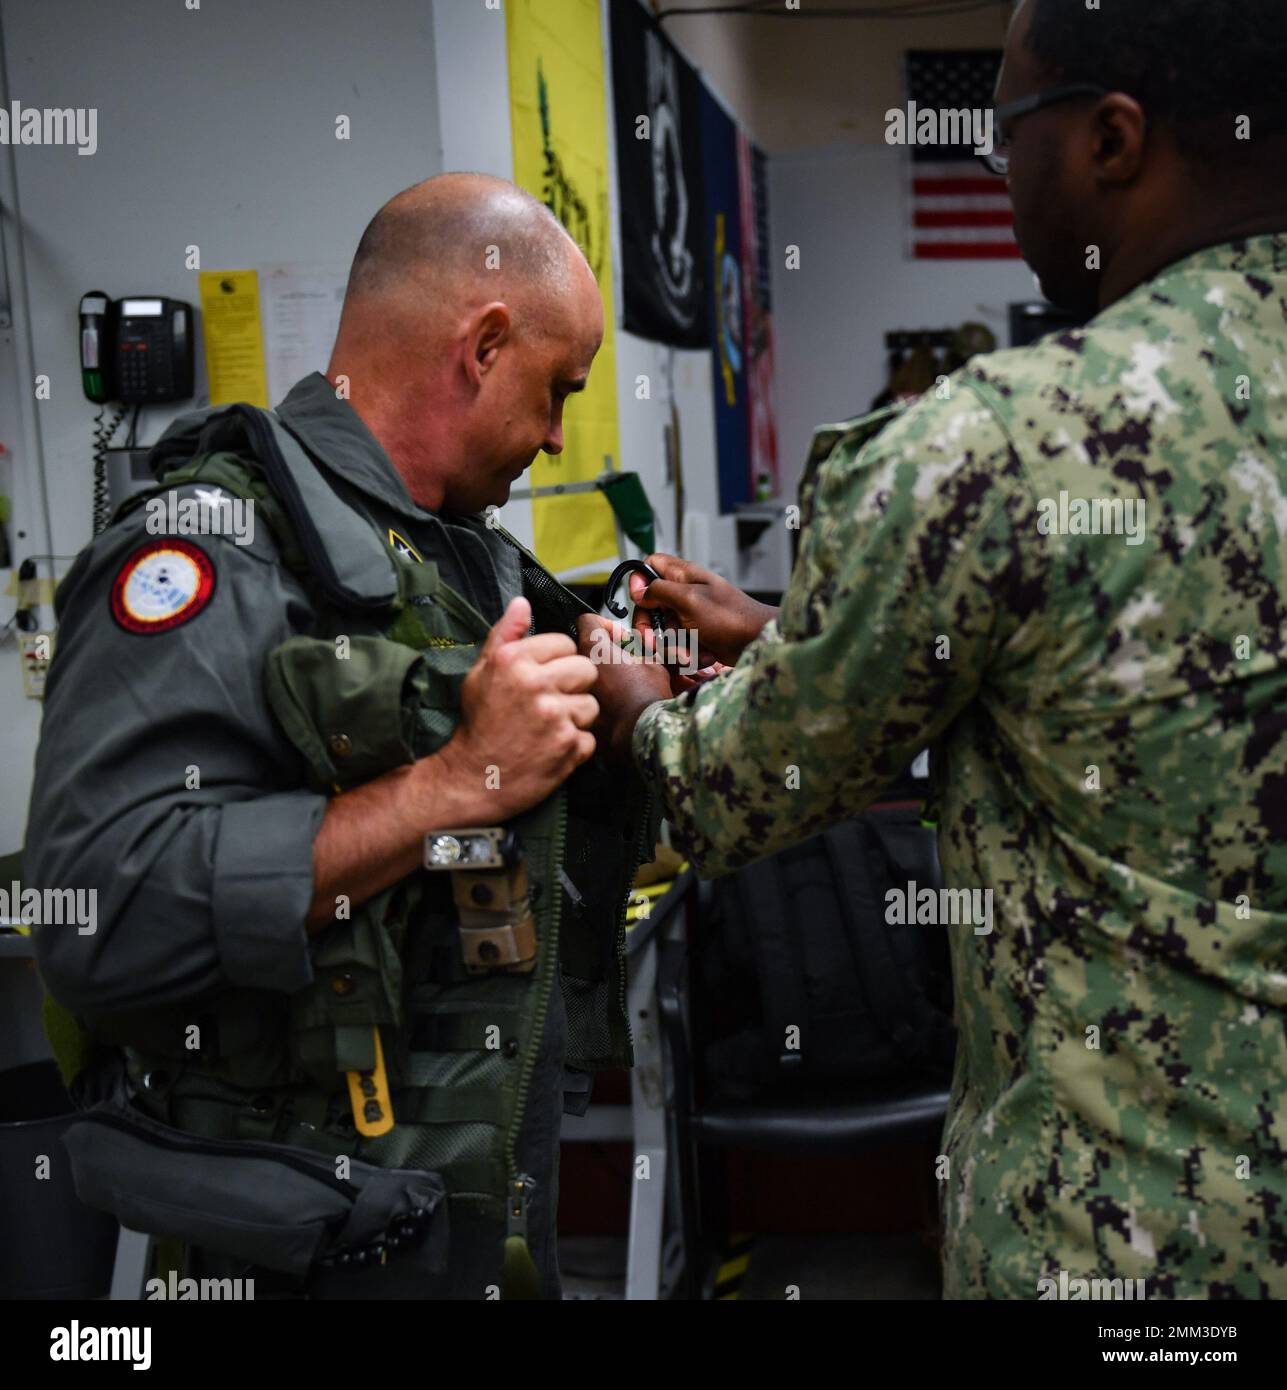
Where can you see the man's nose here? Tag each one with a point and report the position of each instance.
(554, 440)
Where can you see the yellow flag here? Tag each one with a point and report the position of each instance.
(559, 113)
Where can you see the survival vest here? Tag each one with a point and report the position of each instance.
(392, 1018)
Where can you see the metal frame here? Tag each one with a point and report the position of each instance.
(655, 1260)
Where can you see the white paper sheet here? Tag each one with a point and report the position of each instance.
(303, 311)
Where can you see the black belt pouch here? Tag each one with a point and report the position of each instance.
(270, 1204)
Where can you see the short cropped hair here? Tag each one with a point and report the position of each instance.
(504, 228)
(1195, 66)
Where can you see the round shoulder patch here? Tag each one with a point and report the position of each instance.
(162, 585)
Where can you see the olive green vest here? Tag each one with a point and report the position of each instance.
(374, 687)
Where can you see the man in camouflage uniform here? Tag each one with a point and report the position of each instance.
(1069, 576)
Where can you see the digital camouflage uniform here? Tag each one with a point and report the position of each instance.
(1142, 906)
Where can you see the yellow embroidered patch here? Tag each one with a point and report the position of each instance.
(403, 547)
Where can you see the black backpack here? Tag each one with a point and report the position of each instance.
(800, 940)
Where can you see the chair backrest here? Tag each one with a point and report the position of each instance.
(808, 984)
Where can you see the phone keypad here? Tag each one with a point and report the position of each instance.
(144, 366)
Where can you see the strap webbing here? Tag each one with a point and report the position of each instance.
(441, 1105)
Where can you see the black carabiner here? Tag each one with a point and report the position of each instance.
(619, 610)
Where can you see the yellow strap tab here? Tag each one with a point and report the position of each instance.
(369, 1096)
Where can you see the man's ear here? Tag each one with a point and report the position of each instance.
(488, 332)
(1118, 136)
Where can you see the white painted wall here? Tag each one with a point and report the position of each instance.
(845, 208)
(813, 93)
(800, 82)
(22, 482)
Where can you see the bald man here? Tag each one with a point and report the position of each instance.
(250, 734)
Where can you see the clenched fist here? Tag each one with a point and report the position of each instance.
(526, 712)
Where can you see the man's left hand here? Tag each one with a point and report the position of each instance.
(626, 684)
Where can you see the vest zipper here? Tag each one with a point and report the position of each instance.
(549, 963)
(225, 1146)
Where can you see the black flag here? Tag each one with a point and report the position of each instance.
(663, 268)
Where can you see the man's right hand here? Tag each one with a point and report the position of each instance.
(525, 717)
(726, 620)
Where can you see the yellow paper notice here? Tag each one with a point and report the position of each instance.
(234, 337)
(559, 115)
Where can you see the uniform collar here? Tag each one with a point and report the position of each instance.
(1265, 255)
(334, 433)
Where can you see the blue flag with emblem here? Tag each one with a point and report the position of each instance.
(724, 302)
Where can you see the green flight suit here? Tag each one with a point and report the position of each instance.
(204, 883)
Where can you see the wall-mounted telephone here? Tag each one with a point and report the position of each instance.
(135, 351)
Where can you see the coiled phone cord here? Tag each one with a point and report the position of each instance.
(103, 432)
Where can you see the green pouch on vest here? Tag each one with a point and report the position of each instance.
(348, 705)
(357, 985)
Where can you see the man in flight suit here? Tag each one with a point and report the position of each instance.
(163, 778)
(1069, 578)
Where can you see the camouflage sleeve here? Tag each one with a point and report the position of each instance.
(919, 566)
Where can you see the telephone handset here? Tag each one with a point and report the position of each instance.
(135, 351)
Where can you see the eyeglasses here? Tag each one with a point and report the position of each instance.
(998, 162)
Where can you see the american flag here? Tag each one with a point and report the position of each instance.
(959, 211)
